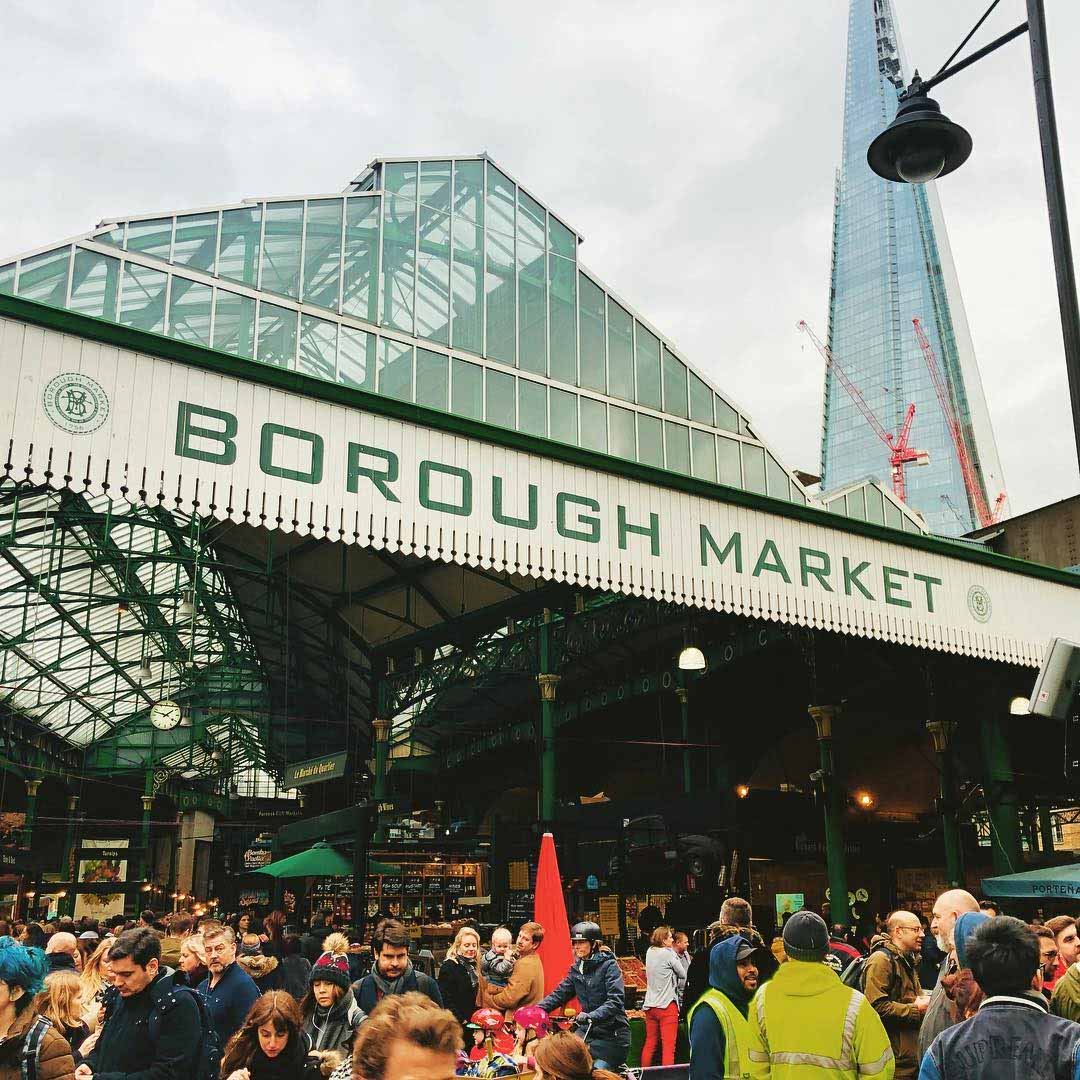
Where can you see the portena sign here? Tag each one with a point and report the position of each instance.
(234, 440)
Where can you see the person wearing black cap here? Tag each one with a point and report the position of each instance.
(806, 1023)
(719, 1033)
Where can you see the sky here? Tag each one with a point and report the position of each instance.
(692, 144)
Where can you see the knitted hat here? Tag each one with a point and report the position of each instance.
(806, 937)
(333, 965)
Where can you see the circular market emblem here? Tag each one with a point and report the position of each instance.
(76, 403)
(978, 601)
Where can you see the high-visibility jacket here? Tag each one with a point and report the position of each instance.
(736, 1032)
(805, 1024)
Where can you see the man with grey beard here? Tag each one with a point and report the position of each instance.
(939, 1016)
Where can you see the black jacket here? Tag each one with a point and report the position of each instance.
(457, 989)
(125, 1049)
(366, 991)
(61, 961)
(311, 942)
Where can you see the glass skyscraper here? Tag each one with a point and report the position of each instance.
(891, 263)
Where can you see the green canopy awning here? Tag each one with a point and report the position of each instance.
(320, 860)
(1063, 881)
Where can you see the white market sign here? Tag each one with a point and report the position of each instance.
(247, 452)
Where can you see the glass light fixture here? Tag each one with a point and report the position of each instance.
(1019, 706)
(187, 606)
(691, 659)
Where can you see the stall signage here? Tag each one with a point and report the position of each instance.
(433, 886)
(414, 885)
(202, 800)
(391, 885)
(455, 886)
(315, 770)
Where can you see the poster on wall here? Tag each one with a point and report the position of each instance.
(101, 862)
(11, 828)
(787, 903)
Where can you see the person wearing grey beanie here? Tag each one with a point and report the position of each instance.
(806, 937)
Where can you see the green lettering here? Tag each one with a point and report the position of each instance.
(186, 430)
(820, 572)
(312, 475)
(929, 582)
(593, 534)
(462, 508)
(734, 544)
(381, 480)
(851, 577)
(776, 566)
(892, 587)
(652, 531)
(506, 519)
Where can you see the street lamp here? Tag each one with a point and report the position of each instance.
(922, 143)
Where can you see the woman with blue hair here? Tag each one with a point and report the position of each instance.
(962, 989)
(25, 1036)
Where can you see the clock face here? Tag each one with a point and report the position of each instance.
(165, 715)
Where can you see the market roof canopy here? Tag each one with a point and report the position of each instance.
(320, 860)
(1044, 884)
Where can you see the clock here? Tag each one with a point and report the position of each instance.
(165, 715)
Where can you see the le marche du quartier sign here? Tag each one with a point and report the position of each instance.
(270, 448)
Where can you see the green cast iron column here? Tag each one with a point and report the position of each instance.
(1000, 794)
(941, 734)
(683, 694)
(1046, 827)
(549, 682)
(31, 811)
(69, 869)
(823, 717)
(381, 788)
(144, 841)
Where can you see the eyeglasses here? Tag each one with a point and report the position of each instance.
(914, 929)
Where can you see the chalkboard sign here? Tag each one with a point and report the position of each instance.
(454, 886)
(391, 884)
(414, 885)
(520, 907)
(371, 886)
(433, 886)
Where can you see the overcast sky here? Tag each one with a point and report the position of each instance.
(693, 145)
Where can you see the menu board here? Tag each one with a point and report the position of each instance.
(413, 885)
(520, 907)
(455, 886)
(371, 886)
(391, 884)
(434, 886)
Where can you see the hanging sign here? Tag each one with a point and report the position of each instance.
(316, 770)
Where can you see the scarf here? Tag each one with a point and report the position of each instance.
(470, 970)
(286, 1066)
(391, 986)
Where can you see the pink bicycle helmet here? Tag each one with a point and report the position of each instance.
(532, 1016)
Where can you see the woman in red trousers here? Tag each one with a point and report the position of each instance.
(666, 980)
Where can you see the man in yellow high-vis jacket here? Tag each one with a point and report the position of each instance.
(805, 1024)
(719, 1033)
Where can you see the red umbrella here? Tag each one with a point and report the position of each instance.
(555, 951)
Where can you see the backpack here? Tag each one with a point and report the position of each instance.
(31, 1047)
(208, 1062)
(855, 973)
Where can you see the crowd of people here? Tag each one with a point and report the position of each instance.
(967, 993)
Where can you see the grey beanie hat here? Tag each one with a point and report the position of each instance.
(806, 937)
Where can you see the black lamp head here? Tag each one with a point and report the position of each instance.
(921, 144)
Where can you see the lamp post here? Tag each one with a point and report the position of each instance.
(922, 144)
(941, 732)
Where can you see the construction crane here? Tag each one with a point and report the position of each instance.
(900, 454)
(984, 514)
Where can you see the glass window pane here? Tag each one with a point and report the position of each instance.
(142, 299)
(726, 417)
(703, 445)
(621, 434)
(433, 277)
(531, 221)
(234, 323)
(892, 515)
(151, 237)
(356, 358)
(677, 447)
(399, 178)
(875, 510)
(727, 455)
(701, 401)
(318, 348)
(322, 253)
(435, 185)
(647, 367)
(594, 425)
(562, 303)
(650, 440)
(432, 379)
(501, 407)
(239, 258)
(7, 279)
(395, 369)
(754, 467)
(190, 304)
(560, 239)
(361, 257)
(532, 308)
(500, 202)
(797, 496)
(277, 335)
(856, 504)
(564, 419)
(281, 248)
(499, 298)
(398, 265)
(779, 485)
(467, 298)
(195, 244)
(45, 277)
(469, 191)
(591, 302)
(674, 384)
(114, 236)
(468, 390)
(620, 351)
(532, 407)
(95, 284)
